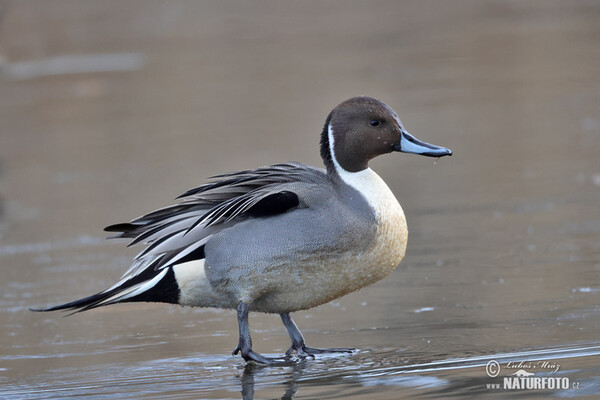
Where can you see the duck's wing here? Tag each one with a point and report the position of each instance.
(173, 232)
(177, 234)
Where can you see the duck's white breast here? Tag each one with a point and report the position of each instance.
(392, 232)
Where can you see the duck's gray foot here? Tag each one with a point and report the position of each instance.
(298, 344)
(250, 355)
(304, 351)
(245, 342)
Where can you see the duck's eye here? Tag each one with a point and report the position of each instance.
(374, 122)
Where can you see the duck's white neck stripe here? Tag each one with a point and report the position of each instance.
(367, 182)
(345, 175)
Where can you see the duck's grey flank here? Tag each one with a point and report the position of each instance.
(280, 238)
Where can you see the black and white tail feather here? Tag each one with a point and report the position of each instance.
(177, 233)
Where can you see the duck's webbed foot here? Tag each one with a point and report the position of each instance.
(304, 351)
(298, 344)
(250, 355)
(245, 341)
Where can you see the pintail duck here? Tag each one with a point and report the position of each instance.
(280, 238)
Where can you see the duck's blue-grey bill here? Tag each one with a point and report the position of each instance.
(410, 144)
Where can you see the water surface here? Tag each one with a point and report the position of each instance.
(111, 109)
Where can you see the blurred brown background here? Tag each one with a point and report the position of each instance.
(109, 109)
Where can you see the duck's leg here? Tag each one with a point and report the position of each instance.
(298, 344)
(245, 341)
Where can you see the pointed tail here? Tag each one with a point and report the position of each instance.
(162, 287)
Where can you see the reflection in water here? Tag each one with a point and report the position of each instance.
(250, 370)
